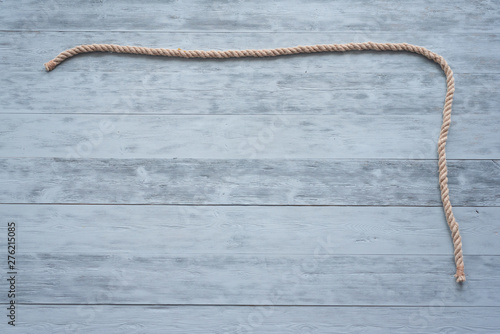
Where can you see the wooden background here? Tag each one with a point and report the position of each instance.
(288, 195)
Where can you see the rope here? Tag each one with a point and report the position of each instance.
(450, 83)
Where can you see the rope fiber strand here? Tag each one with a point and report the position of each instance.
(450, 84)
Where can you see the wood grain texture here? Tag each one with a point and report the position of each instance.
(243, 136)
(466, 53)
(394, 84)
(253, 231)
(296, 15)
(273, 320)
(320, 278)
(229, 230)
(247, 89)
(246, 182)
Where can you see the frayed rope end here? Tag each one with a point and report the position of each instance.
(460, 275)
(50, 65)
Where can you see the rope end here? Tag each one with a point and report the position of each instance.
(50, 65)
(460, 275)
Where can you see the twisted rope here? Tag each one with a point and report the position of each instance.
(450, 84)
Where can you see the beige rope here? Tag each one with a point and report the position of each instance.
(450, 83)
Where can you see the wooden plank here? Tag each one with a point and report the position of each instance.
(247, 88)
(246, 182)
(242, 254)
(320, 278)
(268, 320)
(225, 230)
(295, 15)
(466, 53)
(242, 136)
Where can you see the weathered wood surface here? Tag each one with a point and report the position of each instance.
(273, 320)
(249, 230)
(466, 53)
(290, 16)
(246, 181)
(245, 136)
(254, 279)
(321, 278)
(233, 92)
(248, 224)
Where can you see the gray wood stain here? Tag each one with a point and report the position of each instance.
(288, 195)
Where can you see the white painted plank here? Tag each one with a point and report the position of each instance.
(242, 136)
(295, 15)
(320, 278)
(266, 320)
(116, 229)
(246, 182)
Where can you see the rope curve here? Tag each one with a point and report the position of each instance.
(450, 89)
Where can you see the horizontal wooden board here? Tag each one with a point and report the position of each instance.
(225, 230)
(248, 88)
(466, 53)
(296, 15)
(246, 181)
(265, 320)
(320, 278)
(242, 136)
(299, 224)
